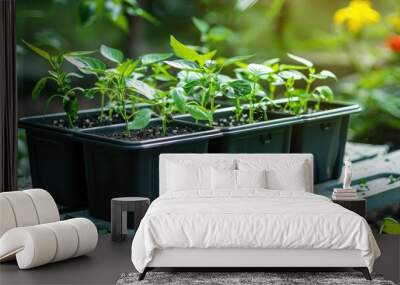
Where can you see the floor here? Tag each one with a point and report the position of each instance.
(388, 264)
(106, 264)
(110, 260)
(103, 266)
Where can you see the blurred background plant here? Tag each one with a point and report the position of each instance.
(359, 40)
(371, 42)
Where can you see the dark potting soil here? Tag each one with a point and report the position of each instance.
(153, 132)
(310, 109)
(88, 121)
(231, 121)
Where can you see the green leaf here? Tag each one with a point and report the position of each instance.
(87, 11)
(241, 87)
(90, 93)
(205, 57)
(112, 54)
(228, 92)
(324, 92)
(137, 11)
(187, 76)
(188, 87)
(38, 51)
(127, 68)
(235, 59)
(182, 64)
(198, 112)
(201, 25)
(73, 74)
(37, 89)
(223, 78)
(122, 22)
(182, 50)
(115, 11)
(219, 33)
(277, 80)
(328, 74)
(154, 57)
(141, 119)
(393, 179)
(300, 60)
(132, 2)
(179, 97)
(79, 53)
(188, 53)
(390, 226)
(259, 69)
(86, 64)
(164, 78)
(292, 67)
(294, 74)
(141, 88)
(70, 106)
(271, 61)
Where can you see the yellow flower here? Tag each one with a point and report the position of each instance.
(394, 20)
(357, 15)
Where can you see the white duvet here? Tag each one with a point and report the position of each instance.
(250, 219)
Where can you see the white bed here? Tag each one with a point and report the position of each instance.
(204, 221)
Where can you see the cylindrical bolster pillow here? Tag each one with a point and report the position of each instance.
(33, 246)
(7, 219)
(26, 208)
(37, 245)
(23, 208)
(45, 205)
(67, 240)
(87, 235)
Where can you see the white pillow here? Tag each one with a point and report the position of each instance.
(227, 179)
(251, 178)
(188, 177)
(223, 179)
(293, 180)
(282, 174)
(193, 174)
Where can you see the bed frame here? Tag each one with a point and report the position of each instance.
(242, 259)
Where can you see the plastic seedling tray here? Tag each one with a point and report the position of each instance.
(56, 159)
(271, 136)
(117, 168)
(323, 133)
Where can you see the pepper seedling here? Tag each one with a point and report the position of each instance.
(64, 89)
(291, 73)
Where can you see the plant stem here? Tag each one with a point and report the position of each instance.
(317, 106)
(125, 117)
(238, 109)
(251, 111)
(70, 122)
(272, 90)
(102, 107)
(308, 86)
(163, 116)
(289, 102)
(212, 99)
(251, 103)
(164, 125)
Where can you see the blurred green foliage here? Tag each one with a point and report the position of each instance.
(368, 70)
(390, 226)
(117, 11)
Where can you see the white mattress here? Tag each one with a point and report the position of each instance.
(253, 219)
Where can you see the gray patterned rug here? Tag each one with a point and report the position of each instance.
(243, 278)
